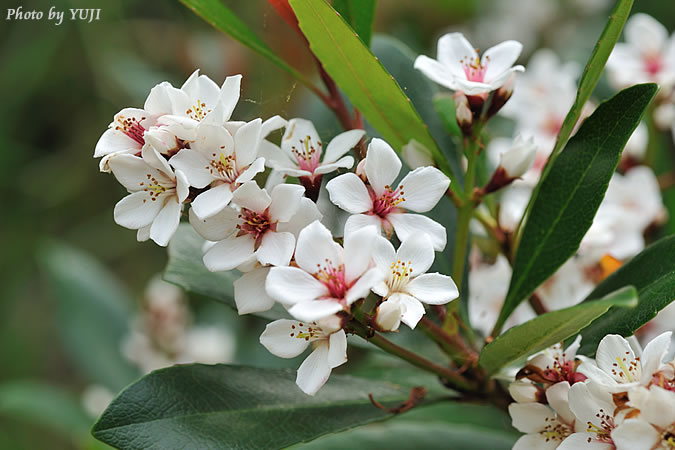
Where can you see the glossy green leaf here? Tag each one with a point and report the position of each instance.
(652, 272)
(199, 406)
(447, 425)
(93, 310)
(360, 14)
(218, 15)
(570, 193)
(45, 406)
(186, 269)
(548, 329)
(362, 78)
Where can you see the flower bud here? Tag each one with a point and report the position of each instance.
(416, 155)
(501, 96)
(519, 158)
(463, 113)
(523, 391)
(388, 316)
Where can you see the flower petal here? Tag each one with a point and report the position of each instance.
(500, 59)
(454, 49)
(307, 213)
(357, 222)
(383, 254)
(382, 165)
(535, 441)
(530, 417)
(658, 408)
(417, 251)
(361, 288)
(646, 34)
(195, 167)
(166, 222)
(635, 434)
(217, 227)
(254, 169)
(250, 295)
(113, 141)
(250, 196)
(407, 225)
(297, 132)
(131, 171)
(349, 193)
(158, 101)
(411, 309)
(337, 349)
(653, 354)
(314, 371)
(136, 210)
(388, 316)
(437, 72)
(423, 188)
(285, 201)
(345, 162)
(211, 202)
(246, 142)
(614, 351)
(557, 397)
(291, 285)
(578, 441)
(341, 144)
(315, 246)
(315, 309)
(272, 124)
(278, 340)
(229, 95)
(276, 249)
(229, 253)
(357, 254)
(433, 288)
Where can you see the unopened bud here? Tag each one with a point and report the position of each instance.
(388, 316)
(523, 391)
(513, 164)
(361, 170)
(463, 113)
(501, 96)
(416, 155)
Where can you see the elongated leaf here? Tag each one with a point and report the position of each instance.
(93, 310)
(447, 425)
(543, 331)
(359, 14)
(186, 269)
(215, 13)
(199, 406)
(652, 272)
(570, 194)
(362, 78)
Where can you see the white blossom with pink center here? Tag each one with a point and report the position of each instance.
(459, 67)
(378, 203)
(301, 151)
(648, 55)
(327, 278)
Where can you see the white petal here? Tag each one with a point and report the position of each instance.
(131, 171)
(433, 288)
(579, 441)
(358, 252)
(653, 355)
(646, 33)
(361, 288)
(159, 101)
(276, 249)
(411, 310)
(384, 254)
(345, 162)
(592, 371)
(417, 251)
(143, 234)
(315, 246)
(250, 196)
(307, 213)
(388, 316)
(453, 48)
(278, 341)
(285, 200)
(166, 222)
(436, 71)
(250, 294)
(254, 169)
(500, 58)
(112, 141)
(635, 434)
(297, 132)
(218, 227)
(500, 80)
(357, 222)
(211, 202)
(315, 310)
(341, 144)
(136, 210)
(523, 391)
(314, 371)
(246, 142)
(382, 166)
(272, 124)
(586, 400)
(182, 186)
(406, 225)
(292, 285)
(535, 441)
(275, 157)
(212, 141)
(660, 407)
(530, 417)
(557, 396)
(337, 349)
(423, 188)
(229, 95)
(612, 350)
(349, 193)
(228, 254)
(154, 159)
(472, 87)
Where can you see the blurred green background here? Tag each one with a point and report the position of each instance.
(61, 86)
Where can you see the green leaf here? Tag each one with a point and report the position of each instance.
(448, 425)
(570, 193)
(199, 406)
(219, 16)
(362, 78)
(548, 329)
(186, 269)
(93, 310)
(360, 14)
(652, 272)
(44, 405)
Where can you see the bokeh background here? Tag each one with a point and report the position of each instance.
(73, 282)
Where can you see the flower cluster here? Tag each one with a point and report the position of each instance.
(183, 148)
(622, 399)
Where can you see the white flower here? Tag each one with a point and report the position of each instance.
(593, 409)
(222, 162)
(654, 427)
(255, 231)
(618, 368)
(546, 426)
(328, 279)
(519, 158)
(459, 68)
(406, 285)
(301, 151)
(156, 197)
(558, 364)
(381, 205)
(647, 55)
(289, 338)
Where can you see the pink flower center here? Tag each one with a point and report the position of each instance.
(223, 166)
(307, 155)
(653, 63)
(333, 278)
(604, 430)
(255, 224)
(473, 69)
(388, 201)
(131, 127)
